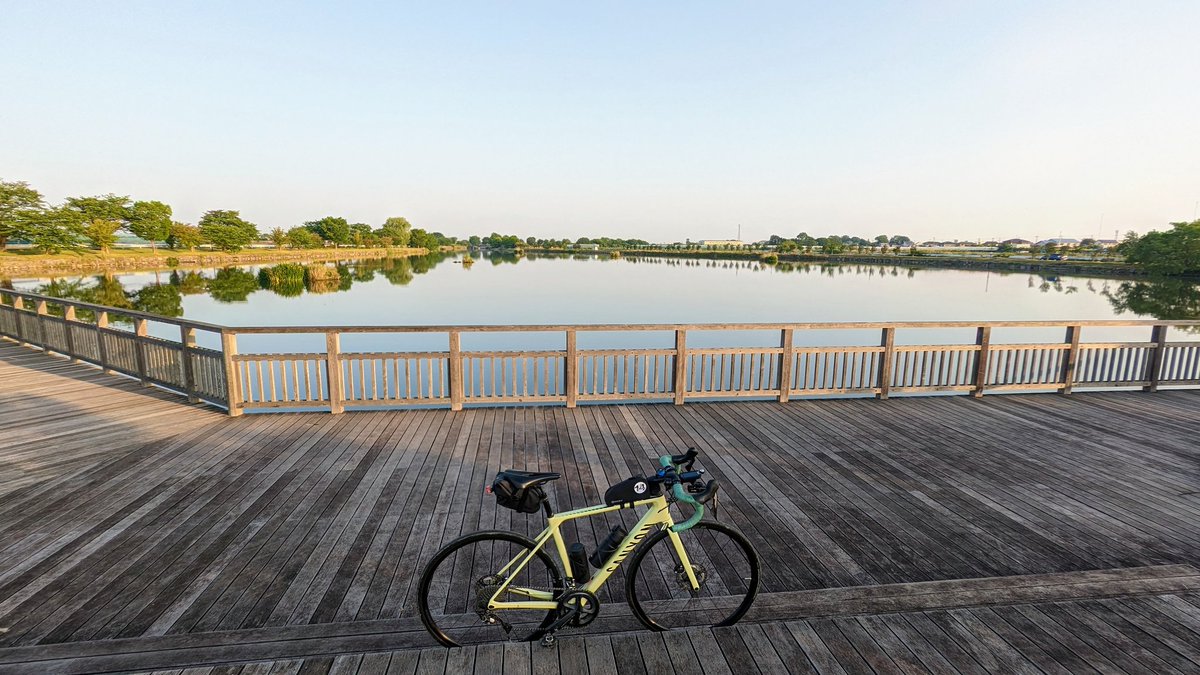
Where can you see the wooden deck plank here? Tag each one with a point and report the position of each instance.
(128, 515)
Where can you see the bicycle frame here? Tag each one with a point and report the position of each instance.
(657, 513)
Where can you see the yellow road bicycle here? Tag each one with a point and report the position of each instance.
(498, 585)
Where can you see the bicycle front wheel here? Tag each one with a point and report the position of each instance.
(462, 577)
(723, 562)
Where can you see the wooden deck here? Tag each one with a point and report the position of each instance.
(946, 534)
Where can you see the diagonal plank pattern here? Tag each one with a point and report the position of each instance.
(1153, 634)
(126, 514)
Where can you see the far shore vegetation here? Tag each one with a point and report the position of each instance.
(91, 226)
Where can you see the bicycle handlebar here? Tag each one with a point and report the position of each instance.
(671, 474)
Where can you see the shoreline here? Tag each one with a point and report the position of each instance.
(19, 265)
(1071, 267)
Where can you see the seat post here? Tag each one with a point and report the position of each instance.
(547, 508)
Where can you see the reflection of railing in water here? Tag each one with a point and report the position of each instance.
(334, 379)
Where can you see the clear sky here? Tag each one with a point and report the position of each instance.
(662, 120)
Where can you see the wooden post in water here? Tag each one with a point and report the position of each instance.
(139, 352)
(69, 331)
(40, 308)
(785, 364)
(680, 365)
(1154, 364)
(1068, 370)
(233, 379)
(456, 371)
(571, 368)
(187, 340)
(983, 338)
(333, 366)
(888, 342)
(101, 345)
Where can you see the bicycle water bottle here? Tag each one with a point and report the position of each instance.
(608, 546)
(580, 571)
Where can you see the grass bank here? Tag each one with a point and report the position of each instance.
(29, 263)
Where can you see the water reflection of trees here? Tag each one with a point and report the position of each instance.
(235, 284)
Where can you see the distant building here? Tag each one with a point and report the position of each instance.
(1107, 243)
(1059, 241)
(586, 247)
(722, 243)
(1017, 243)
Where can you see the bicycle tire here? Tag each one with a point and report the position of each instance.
(729, 578)
(428, 617)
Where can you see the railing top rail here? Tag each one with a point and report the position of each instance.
(831, 325)
(601, 327)
(201, 325)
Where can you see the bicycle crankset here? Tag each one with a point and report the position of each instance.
(582, 606)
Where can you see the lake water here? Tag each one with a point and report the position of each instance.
(562, 289)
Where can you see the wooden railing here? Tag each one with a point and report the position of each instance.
(334, 379)
(119, 341)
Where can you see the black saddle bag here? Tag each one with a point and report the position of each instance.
(631, 490)
(508, 495)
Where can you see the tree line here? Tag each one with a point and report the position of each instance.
(96, 221)
(1173, 252)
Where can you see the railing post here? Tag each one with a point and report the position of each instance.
(233, 379)
(1154, 364)
(139, 332)
(456, 371)
(40, 308)
(983, 338)
(69, 331)
(888, 342)
(1068, 370)
(187, 340)
(333, 366)
(19, 305)
(571, 368)
(101, 347)
(680, 366)
(785, 364)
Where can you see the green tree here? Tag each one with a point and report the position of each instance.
(399, 229)
(150, 221)
(331, 228)
(186, 236)
(474, 241)
(1176, 251)
(832, 245)
(278, 237)
(102, 216)
(787, 246)
(19, 205)
(101, 233)
(54, 230)
(226, 230)
(302, 237)
(359, 233)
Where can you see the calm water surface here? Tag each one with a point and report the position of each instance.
(545, 290)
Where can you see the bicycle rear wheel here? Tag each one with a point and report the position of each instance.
(460, 579)
(722, 560)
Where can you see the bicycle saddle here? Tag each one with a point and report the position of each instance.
(525, 479)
